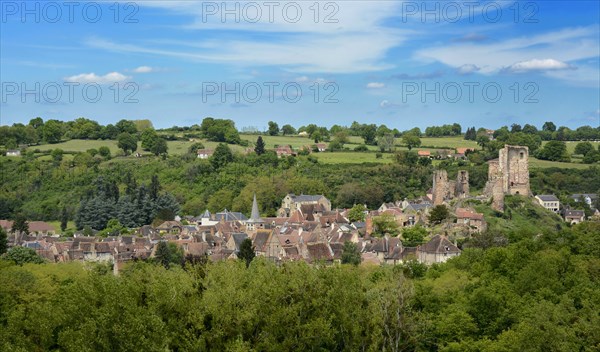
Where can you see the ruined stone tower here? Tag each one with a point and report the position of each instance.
(462, 184)
(440, 186)
(443, 189)
(509, 174)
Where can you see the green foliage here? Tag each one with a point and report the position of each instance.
(64, 219)
(246, 253)
(413, 236)
(592, 156)
(554, 151)
(438, 214)
(193, 149)
(22, 255)
(259, 149)
(3, 241)
(583, 148)
(219, 130)
(20, 225)
(273, 128)
(357, 213)
(126, 126)
(288, 130)
(350, 253)
(104, 151)
(127, 142)
(52, 131)
(411, 140)
(221, 156)
(385, 224)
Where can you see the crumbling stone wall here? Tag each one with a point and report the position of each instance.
(462, 184)
(440, 186)
(509, 174)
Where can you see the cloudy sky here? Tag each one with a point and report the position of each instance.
(402, 63)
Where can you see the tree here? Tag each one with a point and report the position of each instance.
(591, 157)
(350, 254)
(57, 155)
(385, 224)
(104, 151)
(21, 255)
(148, 138)
(219, 130)
(193, 149)
(20, 225)
(222, 156)
(357, 213)
(386, 142)
(259, 149)
(368, 133)
(411, 140)
(3, 241)
(160, 146)
(438, 214)
(52, 131)
(126, 126)
(413, 236)
(127, 142)
(554, 151)
(64, 219)
(288, 130)
(583, 148)
(273, 128)
(482, 141)
(549, 126)
(246, 251)
(163, 254)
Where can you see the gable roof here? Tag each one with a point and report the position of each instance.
(439, 244)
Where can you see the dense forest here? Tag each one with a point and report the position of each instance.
(529, 284)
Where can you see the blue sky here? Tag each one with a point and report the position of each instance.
(402, 63)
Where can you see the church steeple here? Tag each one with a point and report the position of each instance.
(255, 216)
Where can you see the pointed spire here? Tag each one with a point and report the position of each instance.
(255, 216)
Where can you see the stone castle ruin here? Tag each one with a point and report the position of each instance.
(444, 190)
(509, 174)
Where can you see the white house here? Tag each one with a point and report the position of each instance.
(549, 201)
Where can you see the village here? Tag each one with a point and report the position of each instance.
(308, 229)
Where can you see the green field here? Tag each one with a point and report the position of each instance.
(346, 157)
(352, 158)
(571, 145)
(543, 164)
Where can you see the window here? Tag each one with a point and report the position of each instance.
(522, 155)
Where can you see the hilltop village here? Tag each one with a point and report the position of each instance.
(307, 228)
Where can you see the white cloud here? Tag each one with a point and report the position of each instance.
(343, 45)
(538, 65)
(467, 69)
(384, 104)
(375, 85)
(144, 69)
(111, 77)
(566, 45)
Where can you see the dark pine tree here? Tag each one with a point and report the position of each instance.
(259, 149)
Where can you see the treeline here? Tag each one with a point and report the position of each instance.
(548, 132)
(530, 286)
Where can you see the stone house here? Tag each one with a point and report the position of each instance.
(438, 250)
(574, 216)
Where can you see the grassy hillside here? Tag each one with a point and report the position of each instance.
(346, 157)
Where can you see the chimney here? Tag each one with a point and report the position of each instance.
(369, 225)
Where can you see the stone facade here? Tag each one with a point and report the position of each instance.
(444, 190)
(509, 174)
